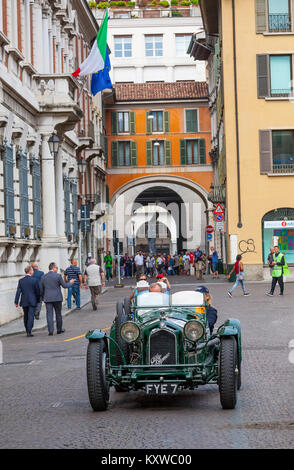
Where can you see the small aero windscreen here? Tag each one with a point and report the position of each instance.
(153, 299)
(187, 297)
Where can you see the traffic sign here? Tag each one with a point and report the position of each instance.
(219, 217)
(209, 229)
(209, 236)
(219, 209)
(220, 226)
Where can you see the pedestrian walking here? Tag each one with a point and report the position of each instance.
(37, 275)
(74, 272)
(95, 279)
(239, 270)
(139, 262)
(176, 264)
(108, 260)
(198, 263)
(279, 269)
(214, 261)
(51, 294)
(186, 260)
(28, 292)
(270, 259)
(89, 257)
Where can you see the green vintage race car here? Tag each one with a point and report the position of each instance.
(162, 345)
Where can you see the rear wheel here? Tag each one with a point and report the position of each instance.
(228, 372)
(97, 370)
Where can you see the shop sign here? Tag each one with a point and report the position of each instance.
(278, 224)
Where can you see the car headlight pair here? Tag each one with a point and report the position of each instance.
(193, 330)
(129, 332)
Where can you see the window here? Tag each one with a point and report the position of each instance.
(123, 122)
(276, 149)
(156, 121)
(158, 153)
(154, 46)
(192, 152)
(280, 75)
(124, 157)
(282, 145)
(182, 44)
(191, 120)
(278, 16)
(123, 46)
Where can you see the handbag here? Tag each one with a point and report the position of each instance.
(241, 276)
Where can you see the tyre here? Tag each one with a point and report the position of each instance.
(97, 369)
(127, 306)
(119, 320)
(239, 383)
(228, 373)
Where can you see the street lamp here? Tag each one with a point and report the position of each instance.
(82, 166)
(54, 142)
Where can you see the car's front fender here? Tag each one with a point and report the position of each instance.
(232, 327)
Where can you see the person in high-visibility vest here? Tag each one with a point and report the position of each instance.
(277, 272)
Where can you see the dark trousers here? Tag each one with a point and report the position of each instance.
(56, 306)
(28, 318)
(281, 284)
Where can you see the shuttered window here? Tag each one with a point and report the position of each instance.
(123, 122)
(265, 151)
(192, 152)
(23, 195)
(260, 16)
(191, 120)
(280, 75)
(262, 75)
(75, 212)
(67, 207)
(158, 153)
(37, 199)
(124, 153)
(9, 190)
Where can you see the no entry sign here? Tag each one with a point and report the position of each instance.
(209, 229)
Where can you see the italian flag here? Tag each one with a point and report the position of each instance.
(96, 59)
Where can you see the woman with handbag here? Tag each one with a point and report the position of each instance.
(239, 270)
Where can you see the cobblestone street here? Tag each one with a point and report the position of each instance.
(45, 401)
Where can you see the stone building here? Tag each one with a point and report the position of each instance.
(50, 128)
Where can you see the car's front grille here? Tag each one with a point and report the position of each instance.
(162, 348)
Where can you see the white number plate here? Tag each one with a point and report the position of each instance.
(161, 389)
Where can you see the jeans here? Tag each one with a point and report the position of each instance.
(241, 281)
(75, 291)
(108, 272)
(281, 284)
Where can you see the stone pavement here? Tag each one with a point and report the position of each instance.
(17, 326)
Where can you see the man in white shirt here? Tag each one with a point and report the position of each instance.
(95, 279)
(139, 262)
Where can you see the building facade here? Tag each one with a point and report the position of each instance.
(149, 43)
(251, 42)
(159, 172)
(41, 188)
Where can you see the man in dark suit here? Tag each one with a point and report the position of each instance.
(52, 296)
(28, 289)
(37, 275)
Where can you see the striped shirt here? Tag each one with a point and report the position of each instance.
(73, 272)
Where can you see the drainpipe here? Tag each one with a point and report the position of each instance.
(239, 225)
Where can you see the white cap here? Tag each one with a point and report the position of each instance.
(89, 255)
(142, 284)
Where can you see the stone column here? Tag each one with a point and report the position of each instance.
(48, 190)
(59, 192)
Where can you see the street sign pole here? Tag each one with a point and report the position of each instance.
(118, 265)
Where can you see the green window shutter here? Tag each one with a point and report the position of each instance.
(23, 194)
(9, 190)
(75, 211)
(132, 122)
(191, 120)
(114, 153)
(107, 193)
(114, 123)
(133, 153)
(202, 158)
(36, 174)
(262, 67)
(260, 16)
(167, 148)
(149, 152)
(148, 124)
(166, 121)
(183, 152)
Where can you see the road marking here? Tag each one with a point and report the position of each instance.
(83, 336)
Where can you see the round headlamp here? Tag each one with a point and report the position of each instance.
(193, 330)
(129, 332)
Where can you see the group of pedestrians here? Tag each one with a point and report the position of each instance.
(37, 287)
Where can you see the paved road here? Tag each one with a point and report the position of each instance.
(44, 400)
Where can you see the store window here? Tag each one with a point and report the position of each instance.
(278, 229)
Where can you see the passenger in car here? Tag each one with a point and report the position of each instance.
(155, 287)
(141, 286)
(211, 312)
(164, 282)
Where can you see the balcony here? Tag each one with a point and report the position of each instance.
(217, 195)
(98, 147)
(283, 168)
(279, 23)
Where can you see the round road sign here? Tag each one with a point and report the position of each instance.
(209, 229)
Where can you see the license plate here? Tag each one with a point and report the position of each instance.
(161, 389)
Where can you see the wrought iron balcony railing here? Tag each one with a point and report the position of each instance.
(275, 92)
(217, 195)
(279, 23)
